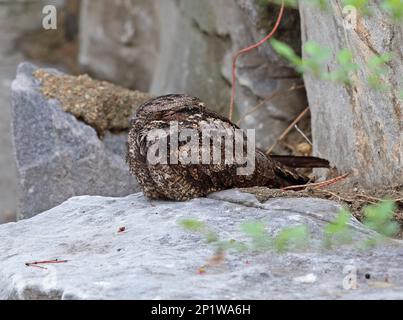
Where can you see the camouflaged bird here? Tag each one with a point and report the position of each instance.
(178, 181)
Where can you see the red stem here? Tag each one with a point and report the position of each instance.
(254, 46)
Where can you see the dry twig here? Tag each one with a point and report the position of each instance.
(288, 129)
(37, 264)
(261, 103)
(318, 184)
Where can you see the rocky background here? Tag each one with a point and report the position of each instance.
(66, 97)
(21, 23)
(17, 18)
(186, 46)
(153, 46)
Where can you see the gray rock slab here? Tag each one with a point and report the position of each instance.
(58, 156)
(17, 18)
(155, 258)
(370, 144)
(8, 175)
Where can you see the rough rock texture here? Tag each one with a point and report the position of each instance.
(118, 41)
(186, 46)
(197, 42)
(8, 175)
(262, 73)
(156, 259)
(58, 156)
(100, 104)
(15, 20)
(370, 142)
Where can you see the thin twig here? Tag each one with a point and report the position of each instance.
(342, 198)
(337, 196)
(318, 184)
(254, 46)
(368, 197)
(36, 266)
(38, 263)
(377, 199)
(265, 100)
(288, 129)
(303, 135)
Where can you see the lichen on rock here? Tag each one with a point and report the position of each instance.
(100, 104)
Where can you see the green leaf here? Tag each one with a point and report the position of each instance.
(253, 229)
(321, 4)
(347, 67)
(378, 68)
(316, 52)
(212, 237)
(394, 8)
(292, 238)
(257, 231)
(360, 5)
(345, 57)
(317, 55)
(377, 61)
(339, 224)
(380, 218)
(286, 52)
(338, 229)
(192, 225)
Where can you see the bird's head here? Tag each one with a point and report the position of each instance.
(157, 107)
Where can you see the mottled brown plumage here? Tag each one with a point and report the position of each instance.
(186, 181)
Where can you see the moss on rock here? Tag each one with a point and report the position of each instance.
(100, 104)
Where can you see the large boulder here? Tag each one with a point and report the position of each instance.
(8, 175)
(58, 156)
(359, 129)
(155, 258)
(16, 19)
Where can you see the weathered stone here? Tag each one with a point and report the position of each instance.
(100, 104)
(155, 258)
(118, 41)
(359, 129)
(207, 34)
(57, 155)
(192, 51)
(15, 20)
(186, 46)
(262, 72)
(8, 175)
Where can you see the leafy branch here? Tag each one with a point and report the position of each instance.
(336, 233)
(318, 56)
(394, 8)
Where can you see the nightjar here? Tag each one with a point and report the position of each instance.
(179, 180)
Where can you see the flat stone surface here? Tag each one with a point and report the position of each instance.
(155, 258)
(58, 156)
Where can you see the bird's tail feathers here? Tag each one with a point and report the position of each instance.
(301, 162)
